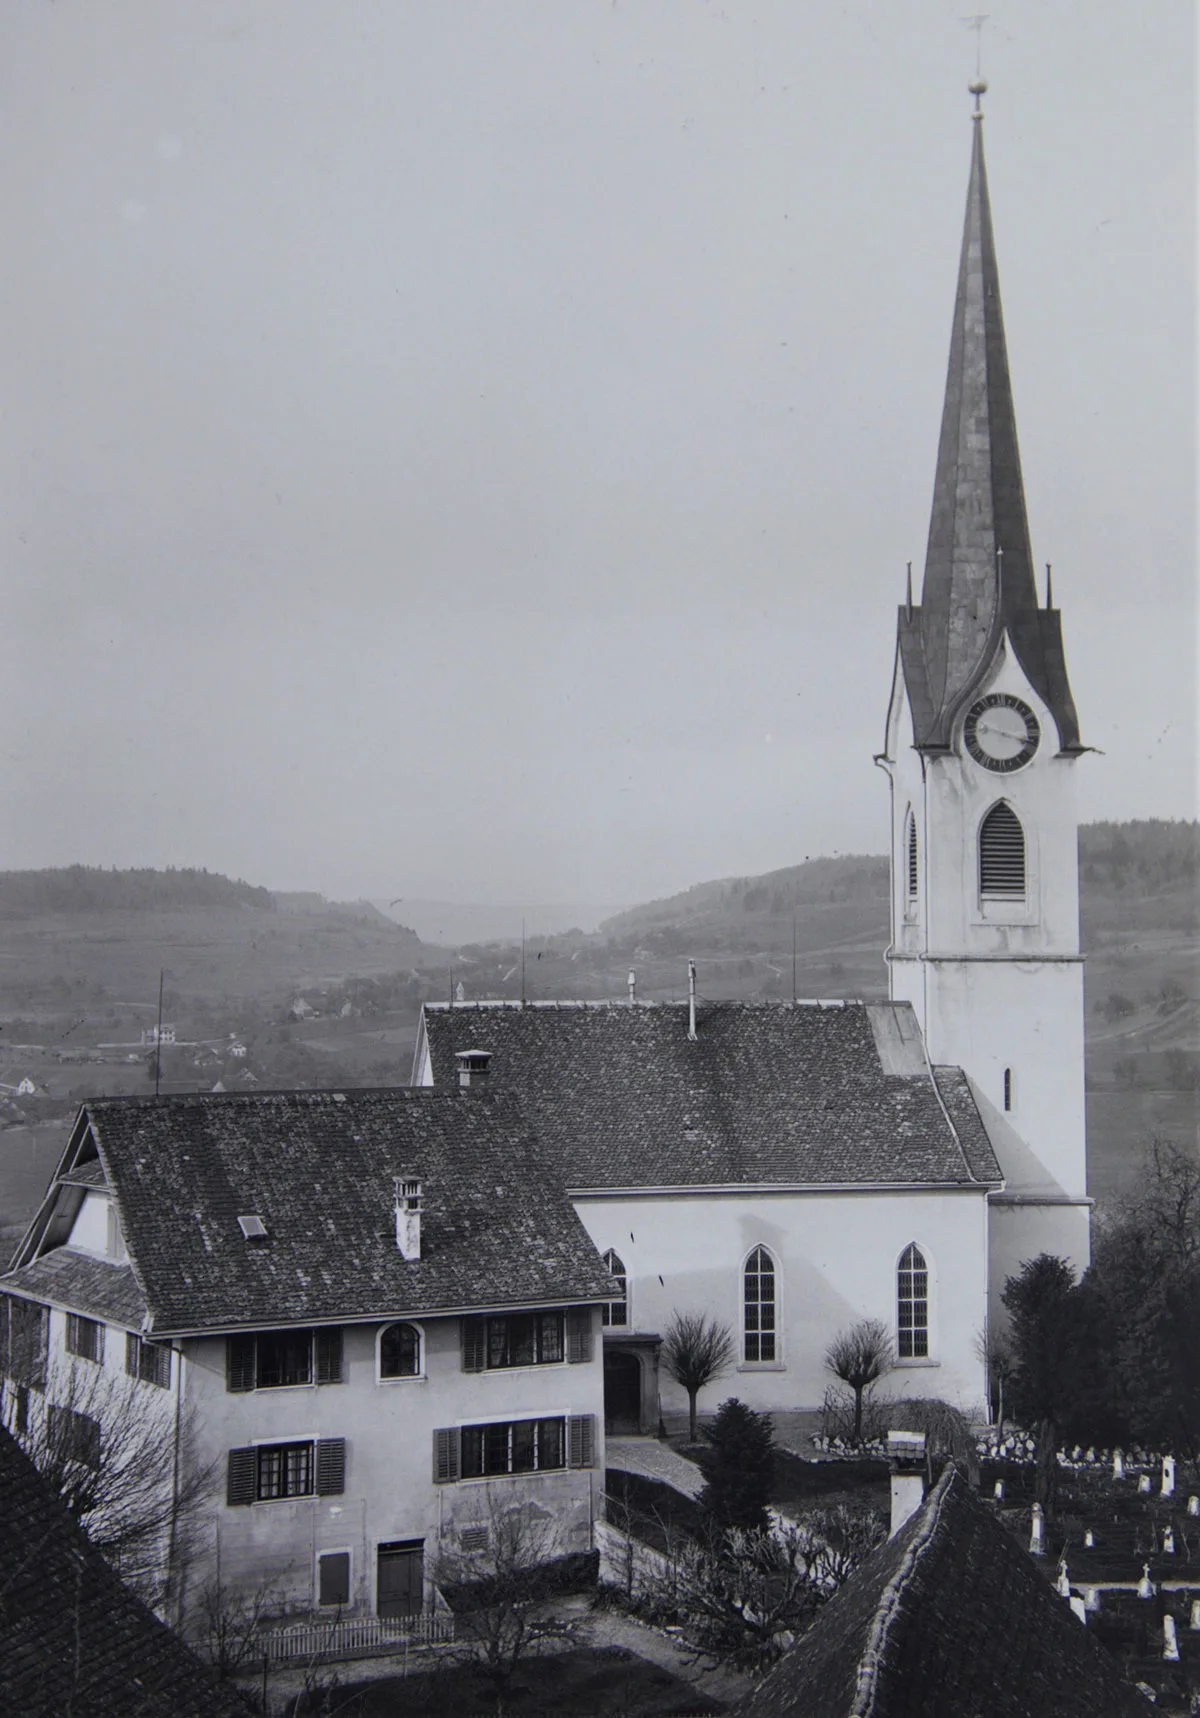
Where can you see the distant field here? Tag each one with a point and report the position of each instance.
(28, 1156)
(1121, 1124)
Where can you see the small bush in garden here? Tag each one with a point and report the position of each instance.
(737, 1467)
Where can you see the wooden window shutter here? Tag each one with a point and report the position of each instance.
(474, 1344)
(579, 1334)
(581, 1440)
(331, 1466)
(446, 1462)
(329, 1355)
(241, 1480)
(239, 1363)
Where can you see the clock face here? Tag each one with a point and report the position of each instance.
(1001, 732)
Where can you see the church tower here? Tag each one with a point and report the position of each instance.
(982, 747)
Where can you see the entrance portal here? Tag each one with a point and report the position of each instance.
(622, 1394)
(400, 1589)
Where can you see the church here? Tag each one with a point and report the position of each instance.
(792, 1169)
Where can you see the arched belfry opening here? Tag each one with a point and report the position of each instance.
(1002, 854)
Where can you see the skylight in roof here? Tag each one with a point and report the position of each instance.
(253, 1228)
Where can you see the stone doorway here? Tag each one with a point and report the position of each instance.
(622, 1394)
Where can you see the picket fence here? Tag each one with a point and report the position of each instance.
(357, 1636)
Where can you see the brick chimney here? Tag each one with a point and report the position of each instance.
(408, 1218)
(473, 1066)
(906, 1457)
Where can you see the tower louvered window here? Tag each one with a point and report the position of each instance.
(911, 846)
(1002, 854)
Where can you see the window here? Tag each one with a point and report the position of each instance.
(72, 1437)
(283, 1359)
(24, 1331)
(1001, 854)
(266, 1473)
(149, 1361)
(911, 846)
(617, 1311)
(912, 1305)
(1008, 1089)
(20, 1410)
(400, 1351)
(526, 1339)
(333, 1578)
(114, 1241)
(513, 1446)
(85, 1338)
(758, 1305)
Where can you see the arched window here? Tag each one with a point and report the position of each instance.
(910, 845)
(617, 1311)
(912, 1305)
(758, 1306)
(400, 1352)
(1001, 854)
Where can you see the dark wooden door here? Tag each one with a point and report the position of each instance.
(622, 1394)
(401, 1571)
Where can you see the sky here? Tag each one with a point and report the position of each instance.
(471, 448)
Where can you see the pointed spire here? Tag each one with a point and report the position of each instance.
(979, 581)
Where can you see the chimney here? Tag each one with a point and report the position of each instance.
(632, 985)
(906, 1454)
(473, 1067)
(691, 1001)
(408, 1218)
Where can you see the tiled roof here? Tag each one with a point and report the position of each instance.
(767, 1093)
(319, 1168)
(72, 1637)
(82, 1284)
(950, 1619)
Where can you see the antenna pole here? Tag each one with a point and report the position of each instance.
(158, 1035)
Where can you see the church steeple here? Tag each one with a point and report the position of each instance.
(979, 582)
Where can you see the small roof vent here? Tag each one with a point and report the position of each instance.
(472, 1066)
(253, 1228)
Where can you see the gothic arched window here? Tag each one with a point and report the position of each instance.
(758, 1306)
(616, 1311)
(1001, 853)
(912, 1305)
(400, 1351)
(910, 847)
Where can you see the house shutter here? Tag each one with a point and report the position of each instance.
(329, 1356)
(331, 1466)
(446, 1464)
(241, 1480)
(132, 1345)
(239, 1363)
(581, 1440)
(474, 1344)
(579, 1334)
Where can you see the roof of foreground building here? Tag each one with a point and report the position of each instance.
(950, 1619)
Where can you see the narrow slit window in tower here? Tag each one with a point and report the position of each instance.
(912, 857)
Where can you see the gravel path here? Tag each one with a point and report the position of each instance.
(655, 1460)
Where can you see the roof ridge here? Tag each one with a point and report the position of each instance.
(888, 1609)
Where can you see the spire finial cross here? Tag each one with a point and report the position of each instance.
(978, 85)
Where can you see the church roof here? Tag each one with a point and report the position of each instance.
(950, 1617)
(73, 1638)
(765, 1094)
(318, 1169)
(979, 579)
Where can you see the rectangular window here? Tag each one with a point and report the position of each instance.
(149, 1361)
(333, 1578)
(73, 1437)
(285, 1470)
(512, 1446)
(85, 1338)
(24, 1339)
(281, 1359)
(525, 1339)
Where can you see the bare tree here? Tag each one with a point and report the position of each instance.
(994, 1348)
(501, 1582)
(126, 1474)
(696, 1350)
(859, 1357)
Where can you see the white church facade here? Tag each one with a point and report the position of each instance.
(793, 1169)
